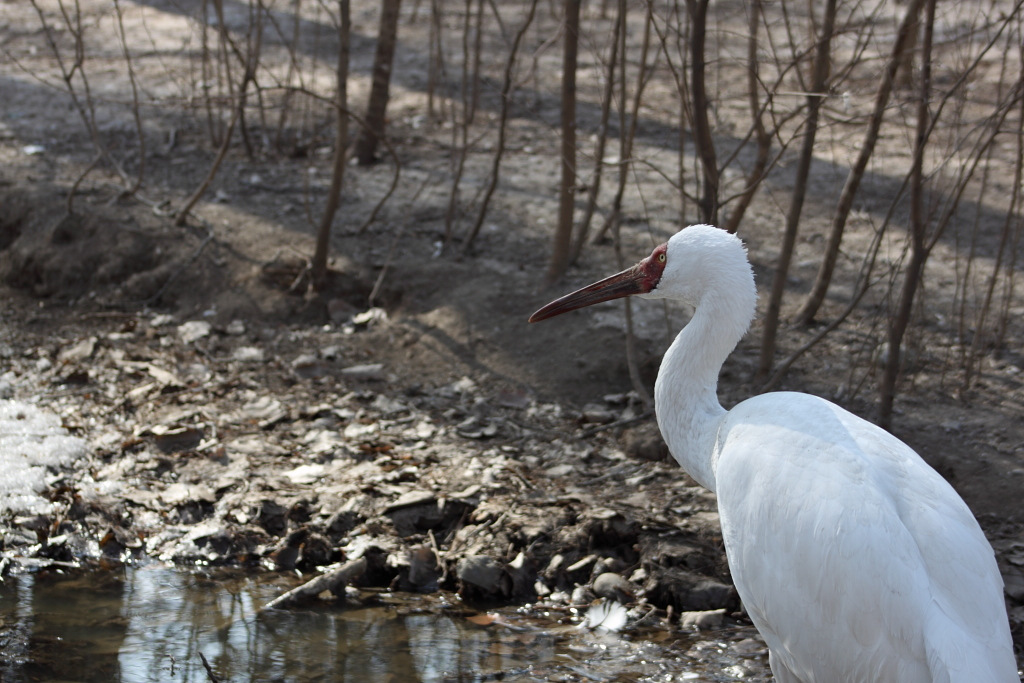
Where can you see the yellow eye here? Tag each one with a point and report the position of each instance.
(661, 257)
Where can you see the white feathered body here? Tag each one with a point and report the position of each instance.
(856, 561)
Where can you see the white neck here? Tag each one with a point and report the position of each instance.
(685, 393)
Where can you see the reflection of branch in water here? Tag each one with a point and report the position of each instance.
(209, 669)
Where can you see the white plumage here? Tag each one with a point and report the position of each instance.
(856, 561)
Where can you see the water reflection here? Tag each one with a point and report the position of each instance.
(151, 624)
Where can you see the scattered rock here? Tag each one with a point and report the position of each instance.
(309, 366)
(342, 522)
(370, 316)
(234, 455)
(273, 517)
(417, 569)
(482, 577)
(476, 427)
(614, 587)
(77, 352)
(702, 620)
(248, 354)
(645, 442)
(305, 475)
(686, 592)
(176, 439)
(366, 372)
(194, 330)
(594, 413)
(410, 499)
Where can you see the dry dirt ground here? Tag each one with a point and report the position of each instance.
(408, 414)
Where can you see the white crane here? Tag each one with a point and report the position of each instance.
(855, 560)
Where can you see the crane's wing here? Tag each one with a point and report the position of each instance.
(854, 558)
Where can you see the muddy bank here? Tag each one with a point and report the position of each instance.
(288, 447)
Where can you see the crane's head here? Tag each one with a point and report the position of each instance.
(696, 260)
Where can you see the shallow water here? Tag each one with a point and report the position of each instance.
(151, 623)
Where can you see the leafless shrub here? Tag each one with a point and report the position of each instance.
(844, 80)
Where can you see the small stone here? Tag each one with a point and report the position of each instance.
(273, 517)
(370, 317)
(412, 498)
(613, 587)
(342, 522)
(559, 471)
(161, 320)
(333, 352)
(702, 619)
(315, 551)
(179, 493)
(483, 572)
(309, 366)
(749, 646)
(177, 439)
(423, 569)
(597, 414)
(305, 474)
(78, 352)
(357, 430)
(644, 442)
(194, 330)
(366, 371)
(248, 354)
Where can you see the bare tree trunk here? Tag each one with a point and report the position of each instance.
(918, 229)
(602, 135)
(478, 40)
(387, 36)
(567, 190)
(819, 78)
(250, 61)
(1008, 288)
(856, 174)
(628, 121)
(507, 86)
(460, 132)
(764, 141)
(139, 129)
(972, 356)
(323, 234)
(293, 69)
(870, 258)
(905, 72)
(704, 142)
(631, 360)
(435, 57)
(197, 194)
(249, 64)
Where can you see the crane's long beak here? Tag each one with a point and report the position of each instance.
(630, 281)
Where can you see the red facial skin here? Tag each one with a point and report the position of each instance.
(640, 279)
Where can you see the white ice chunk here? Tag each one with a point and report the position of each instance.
(33, 448)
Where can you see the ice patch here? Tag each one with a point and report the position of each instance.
(34, 447)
